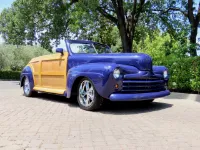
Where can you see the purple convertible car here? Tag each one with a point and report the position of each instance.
(94, 74)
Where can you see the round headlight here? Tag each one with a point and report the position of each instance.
(165, 74)
(116, 73)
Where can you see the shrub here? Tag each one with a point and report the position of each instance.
(195, 74)
(184, 73)
(184, 70)
(10, 75)
(16, 57)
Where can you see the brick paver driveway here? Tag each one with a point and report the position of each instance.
(52, 122)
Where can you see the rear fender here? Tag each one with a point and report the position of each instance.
(27, 72)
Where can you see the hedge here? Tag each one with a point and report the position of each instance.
(14, 58)
(10, 75)
(184, 73)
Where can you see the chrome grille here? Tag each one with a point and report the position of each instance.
(143, 85)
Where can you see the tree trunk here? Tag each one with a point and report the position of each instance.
(194, 22)
(126, 37)
(126, 41)
(193, 36)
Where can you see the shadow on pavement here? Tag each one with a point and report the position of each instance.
(125, 108)
(57, 99)
(116, 108)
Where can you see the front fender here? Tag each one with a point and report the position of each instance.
(27, 72)
(100, 75)
(159, 70)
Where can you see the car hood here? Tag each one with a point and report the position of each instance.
(141, 61)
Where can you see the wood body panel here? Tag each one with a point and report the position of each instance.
(50, 73)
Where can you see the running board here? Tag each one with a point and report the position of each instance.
(50, 90)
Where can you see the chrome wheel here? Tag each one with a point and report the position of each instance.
(87, 96)
(26, 86)
(86, 93)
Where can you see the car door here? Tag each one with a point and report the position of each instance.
(52, 72)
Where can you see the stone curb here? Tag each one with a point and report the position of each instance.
(183, 96)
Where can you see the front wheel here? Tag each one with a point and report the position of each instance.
(87, 96)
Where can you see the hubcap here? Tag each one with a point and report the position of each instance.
(26, 86)
(86, 93)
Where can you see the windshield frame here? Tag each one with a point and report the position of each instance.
(103, 45)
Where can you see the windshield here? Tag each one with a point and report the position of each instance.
(94, 48)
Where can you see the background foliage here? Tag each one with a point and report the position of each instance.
(184, 73)
(10, 75)
(164, 29)
(14, 58)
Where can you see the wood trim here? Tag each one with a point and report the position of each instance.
(50, 90)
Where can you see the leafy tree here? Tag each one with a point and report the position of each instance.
(194, 23)
(38, 21)
(161, 46)
(132, 17)
(91, 26)
(178, 15)
(124, 15)
(35, 21)
(41, 21)
(9, 27)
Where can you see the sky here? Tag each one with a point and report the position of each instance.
(5, 4)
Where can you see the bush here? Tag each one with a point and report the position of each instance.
(16, 57)
(10, 75)
(184, 73)
(161, 46)
(184, 70)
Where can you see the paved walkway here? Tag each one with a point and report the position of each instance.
(52, 122)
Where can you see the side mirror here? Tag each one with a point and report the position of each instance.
(59, 50)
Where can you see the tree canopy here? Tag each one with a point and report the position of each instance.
(121, 23)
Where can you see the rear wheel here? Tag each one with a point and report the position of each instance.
(28, 92)
(87, 96)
